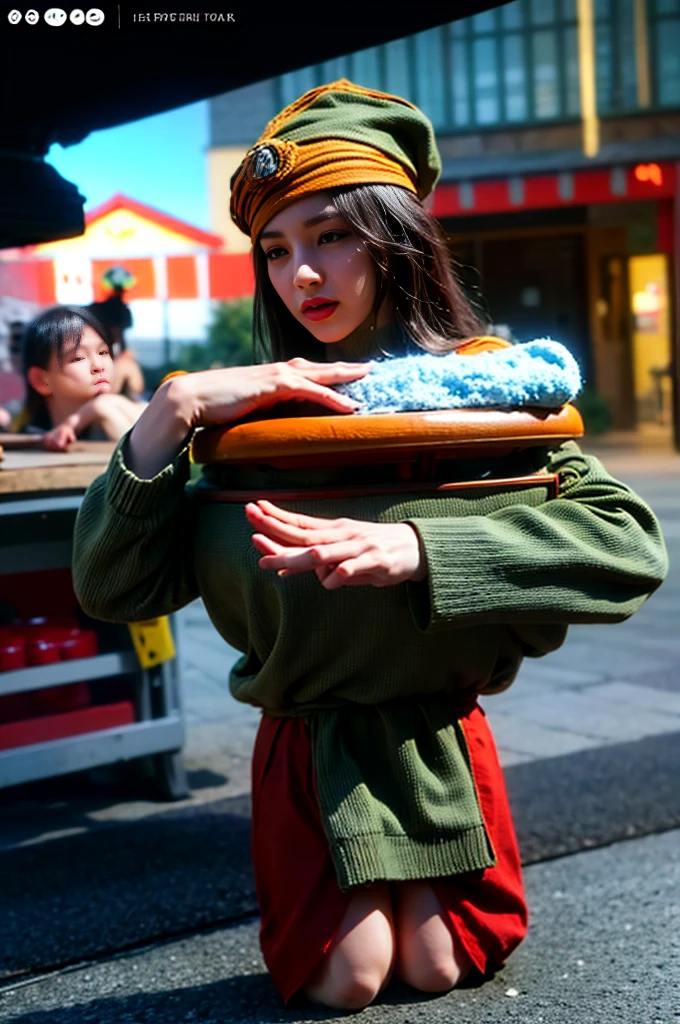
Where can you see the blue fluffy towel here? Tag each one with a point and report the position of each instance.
(537, 373)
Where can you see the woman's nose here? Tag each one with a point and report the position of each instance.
(306, 275)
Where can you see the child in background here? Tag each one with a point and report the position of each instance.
(114, 313)
(68, 366)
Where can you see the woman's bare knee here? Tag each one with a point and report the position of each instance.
(429, 957)
(430, 976)
(359, 963)
(345, 990)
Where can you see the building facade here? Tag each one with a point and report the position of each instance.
(549, 240)
(180, 271)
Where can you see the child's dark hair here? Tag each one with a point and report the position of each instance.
(415, 271)
(59, 331)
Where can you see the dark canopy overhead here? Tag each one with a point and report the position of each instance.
(59, 83)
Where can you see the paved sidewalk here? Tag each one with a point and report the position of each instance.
(602, 947)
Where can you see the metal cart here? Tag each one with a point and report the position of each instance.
(40, 493)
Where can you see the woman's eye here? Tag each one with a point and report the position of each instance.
(275, 253)
(328, 237)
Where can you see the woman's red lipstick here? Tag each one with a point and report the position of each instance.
(319, 308)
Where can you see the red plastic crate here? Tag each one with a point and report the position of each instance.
(71, 723)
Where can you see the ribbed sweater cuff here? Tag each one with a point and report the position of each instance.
(139, 499)
(463, 572)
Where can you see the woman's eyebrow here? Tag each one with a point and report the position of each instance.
(325, 215)
(317, 219)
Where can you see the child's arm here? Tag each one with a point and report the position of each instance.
(65, 433)
(115, 414)
(130, 376)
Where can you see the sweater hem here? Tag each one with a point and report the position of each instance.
(361, 860)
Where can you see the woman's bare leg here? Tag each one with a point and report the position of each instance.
(359, 963)
(429, 957)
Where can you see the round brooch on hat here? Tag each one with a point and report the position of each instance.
(270, 159)
(265, 162)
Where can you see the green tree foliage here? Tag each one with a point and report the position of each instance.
(229, 342)
(595, 410)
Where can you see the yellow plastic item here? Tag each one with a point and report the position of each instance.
(153, 641)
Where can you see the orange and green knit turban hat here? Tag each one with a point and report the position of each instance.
(338, 134)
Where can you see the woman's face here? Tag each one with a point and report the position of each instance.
(85, 372)
(319, 268)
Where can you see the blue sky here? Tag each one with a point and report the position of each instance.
(159, 160)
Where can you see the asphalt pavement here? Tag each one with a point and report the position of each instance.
(603, 946)
(119, 908)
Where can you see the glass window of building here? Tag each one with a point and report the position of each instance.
(543, 12)
(603, 66)
(514, 78)
(397, 69)
(515, 64)
(365, 68)
(665, 58)
(572, 107)
(512, 15)
(459, 84)
(430, 80)
(487, 107)
(546, 95)
(294, 83)
(331, 70)
(485, 22)
(668, 61)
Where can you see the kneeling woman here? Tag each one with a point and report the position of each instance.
(383, 841)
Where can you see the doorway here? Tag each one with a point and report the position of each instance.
(651, 341)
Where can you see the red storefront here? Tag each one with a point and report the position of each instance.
(585, 256)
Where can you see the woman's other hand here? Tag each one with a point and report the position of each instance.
(342, 552)
(59, 438)
(213, 397)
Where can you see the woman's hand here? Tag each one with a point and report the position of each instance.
(342, 552)
(59, 438)
(213, 397)
(220, 396)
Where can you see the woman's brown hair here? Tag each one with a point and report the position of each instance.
(415, 272)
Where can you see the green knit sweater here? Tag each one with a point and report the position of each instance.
(380, 674)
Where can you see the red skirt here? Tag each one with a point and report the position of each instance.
(301, 904)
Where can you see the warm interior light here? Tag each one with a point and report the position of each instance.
(649, 172)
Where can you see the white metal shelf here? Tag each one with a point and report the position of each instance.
(26, 506)
(80, 753)
(35, 536)
(60, 673)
